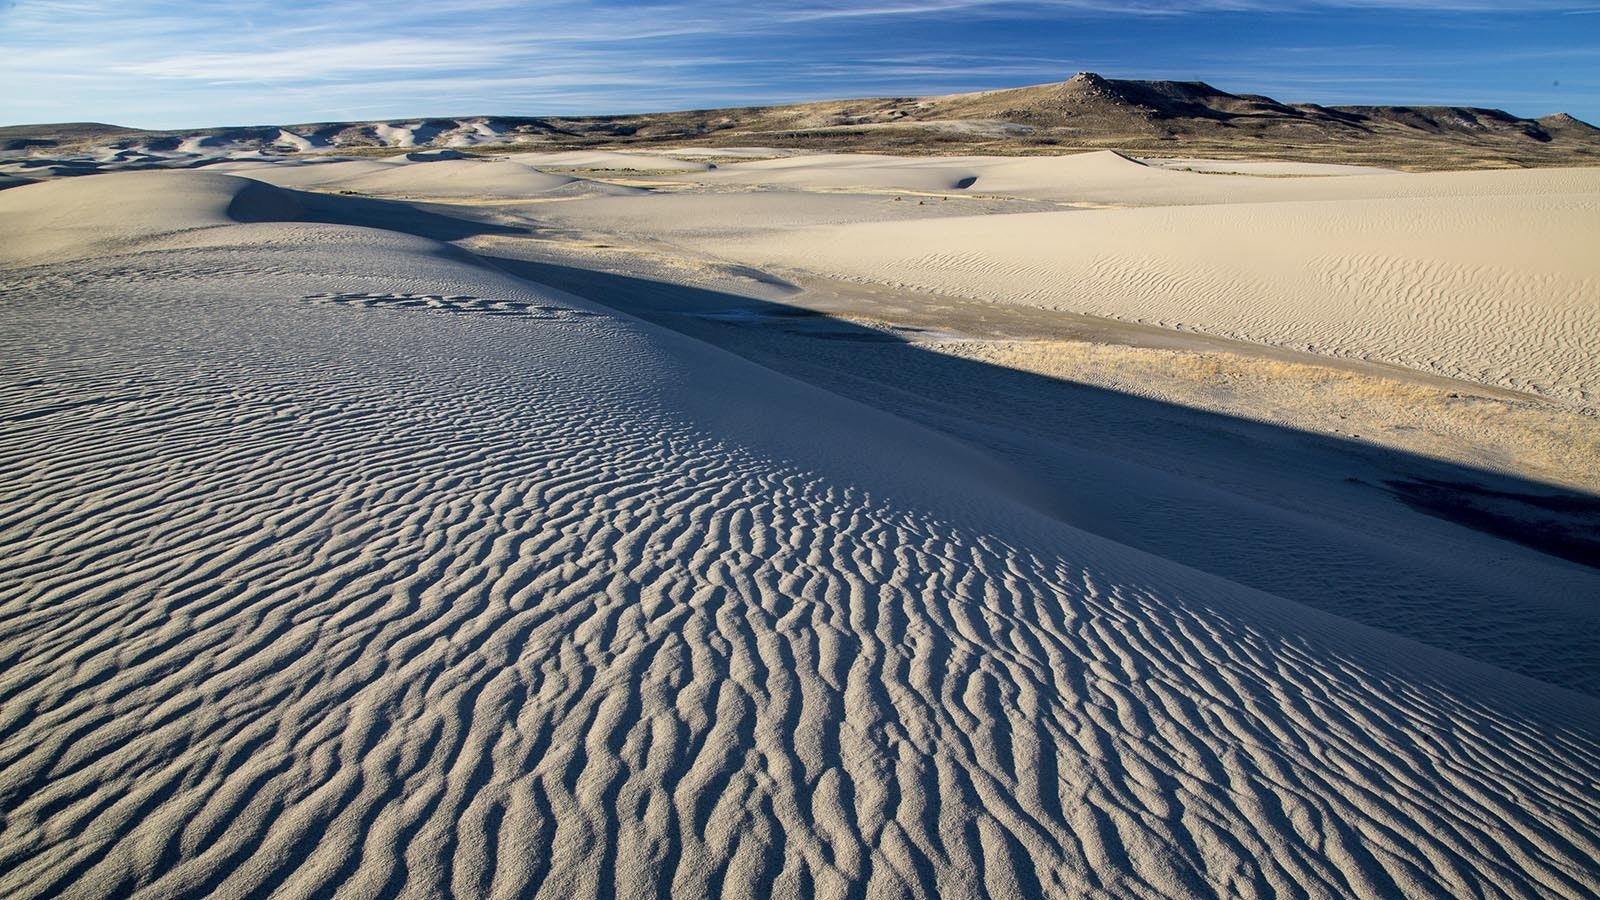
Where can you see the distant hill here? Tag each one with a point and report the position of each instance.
(1152, 118)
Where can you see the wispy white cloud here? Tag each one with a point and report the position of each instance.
(163, 62)
(297, 63)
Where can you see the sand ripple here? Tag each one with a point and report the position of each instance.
(1502, 291)
(308, 599)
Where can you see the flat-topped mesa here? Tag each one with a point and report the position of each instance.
(1087, 111)
(1087, 86)
(1559, 121)
(1158, 99)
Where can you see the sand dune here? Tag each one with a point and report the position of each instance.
(338, 564)
(406, 134)
(320, 174)
(599, 159)
(441, 177)
(1496, 289)
(1270, 168)
(1108, 178)
(80, 218)
(460, 178)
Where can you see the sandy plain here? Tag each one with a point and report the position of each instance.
(757, 523)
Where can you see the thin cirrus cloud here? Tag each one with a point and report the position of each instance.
(161, 63)
(296, 63)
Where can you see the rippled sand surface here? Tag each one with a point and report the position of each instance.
(335, 562)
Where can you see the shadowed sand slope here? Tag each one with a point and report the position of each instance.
(1310, 515)
(362, 570)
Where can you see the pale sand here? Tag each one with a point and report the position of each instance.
(1270, 168)
(309, 174)
(437, 178)
(1488, 277)
(1108, 178)
(337, 563)
(605, 160)
(1443, 420)
(1270, 468)
(1493, 288)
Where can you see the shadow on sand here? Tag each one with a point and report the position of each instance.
(393, 215)
(1497, 568)
(1242, 499)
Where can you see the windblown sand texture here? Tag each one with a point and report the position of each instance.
(1487, 278)
(340, 562)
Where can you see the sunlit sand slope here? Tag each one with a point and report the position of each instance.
(336, 565)
(1105, 177)
(1501, 290)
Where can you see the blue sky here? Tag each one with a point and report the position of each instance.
(162, 64)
